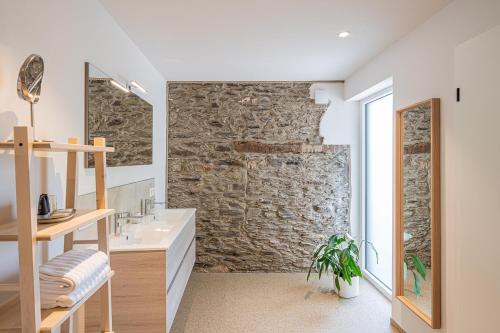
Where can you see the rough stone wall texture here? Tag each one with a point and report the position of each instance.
(250, 158)
(417, 181)
(124, 119)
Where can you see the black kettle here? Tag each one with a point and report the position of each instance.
(43, 205)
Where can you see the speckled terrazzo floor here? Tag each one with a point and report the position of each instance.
(276, 302)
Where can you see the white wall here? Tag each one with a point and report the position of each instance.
(422, 66)
(339, 126)
(66, 33)
(476, 185)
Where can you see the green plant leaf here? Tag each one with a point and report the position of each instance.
(353, 248)
(416, 287)
(318, 250)
(419, 266)
(310, 268)
(346, 274)
(322, 268)
(317, 265)
(333, 265)
(337, 283)
(405, 270)
(333, 240)
(356, 270)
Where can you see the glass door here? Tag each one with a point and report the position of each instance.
(378, 188)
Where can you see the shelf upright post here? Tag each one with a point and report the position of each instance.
(103, 232)
(29, 282)
(76, 321)
(71, 187)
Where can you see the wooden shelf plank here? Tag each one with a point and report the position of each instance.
(59, 147)
(10, 316)
(12, 286)
(10, 319)
(51, 231)
(53, 318)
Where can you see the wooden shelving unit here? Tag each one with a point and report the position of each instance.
(56, 147)
(24, 314)
(50, 319)
(51, 231)
(53, 318)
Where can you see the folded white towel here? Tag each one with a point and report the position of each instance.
(68, 277)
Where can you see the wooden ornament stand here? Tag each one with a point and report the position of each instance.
(25, 314)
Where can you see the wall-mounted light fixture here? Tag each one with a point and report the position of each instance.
(120, 86)
(136, 85)
(128, 88)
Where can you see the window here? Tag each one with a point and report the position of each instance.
(377, 188)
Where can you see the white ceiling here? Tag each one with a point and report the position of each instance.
(214, 40)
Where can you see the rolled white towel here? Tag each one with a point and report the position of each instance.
(68, 277)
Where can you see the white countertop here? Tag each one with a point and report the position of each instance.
(156, 235)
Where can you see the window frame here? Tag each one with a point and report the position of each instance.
(379, 285)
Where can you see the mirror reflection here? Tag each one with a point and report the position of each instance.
(124, 118)
(417, 173)
(29, 81)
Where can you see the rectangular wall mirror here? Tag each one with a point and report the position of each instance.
(122, 117)
(418, 237)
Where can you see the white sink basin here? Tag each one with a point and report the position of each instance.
(141, 234)
(157, 234)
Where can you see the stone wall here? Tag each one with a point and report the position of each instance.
(124, 119)
(250, 158)
(417, 180)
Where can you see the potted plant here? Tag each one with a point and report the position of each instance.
(339, 256)
(414, 264)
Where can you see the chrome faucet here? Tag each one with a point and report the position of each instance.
(122, 218)
(147, 205)
(117, 222)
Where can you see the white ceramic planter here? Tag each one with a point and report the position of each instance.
(346, 290)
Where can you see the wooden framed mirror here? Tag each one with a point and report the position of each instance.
(120, 115)
(418, 234)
